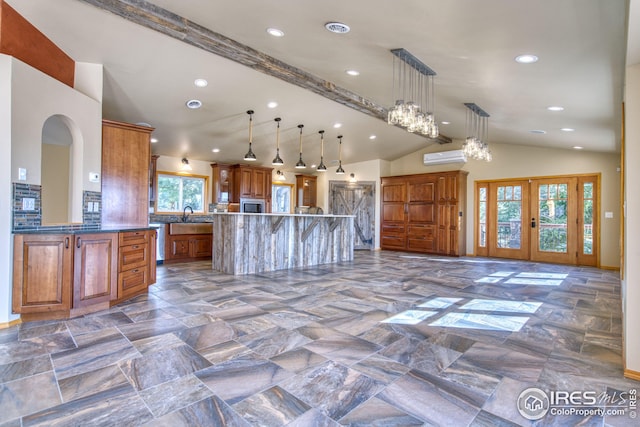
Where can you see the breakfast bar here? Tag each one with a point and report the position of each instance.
(247, 243)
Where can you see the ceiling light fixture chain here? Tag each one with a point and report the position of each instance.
(321, 167)
(476, 145)
(414, 82)
(250, 157)
(340, 171)
(277, 161)
(301, 164)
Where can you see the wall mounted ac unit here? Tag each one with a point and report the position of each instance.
(453, 156)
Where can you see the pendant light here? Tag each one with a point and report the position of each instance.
(300, 164)
(277, 160)
(250, 157)
(321, 167)
(340, 171)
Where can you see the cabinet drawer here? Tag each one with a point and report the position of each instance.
(390, 228)
(132, 282)
(133, 256)
(422, 230)
(392, 241)
(133, 237)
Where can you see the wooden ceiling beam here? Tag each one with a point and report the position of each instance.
(156, 18)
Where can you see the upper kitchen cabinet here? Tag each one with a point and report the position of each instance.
(222, 183)
(125, 174)
(251, 182)
(306, 190)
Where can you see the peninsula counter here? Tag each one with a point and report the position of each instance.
(246, 243)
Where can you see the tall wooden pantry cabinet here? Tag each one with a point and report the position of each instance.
(424, 213)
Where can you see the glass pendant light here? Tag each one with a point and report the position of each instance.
(300, 164)
(321, 167)
(277, 160)
(250, 157)
(340, 171)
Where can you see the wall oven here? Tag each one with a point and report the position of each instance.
(252, 206)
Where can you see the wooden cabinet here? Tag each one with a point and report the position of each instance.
(306, 193)
(66, 275)
(125, 174)
(424, 213)
(222, 183)
(42, 275)
(187, 247)
(95, 269)
(153, 183)
(251, 182)
(135, 264)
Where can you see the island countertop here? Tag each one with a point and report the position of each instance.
(247, 243)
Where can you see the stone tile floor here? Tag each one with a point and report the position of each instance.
(391, 339)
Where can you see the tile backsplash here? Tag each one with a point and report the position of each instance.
(27, 206)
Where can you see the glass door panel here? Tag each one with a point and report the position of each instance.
(508, 234)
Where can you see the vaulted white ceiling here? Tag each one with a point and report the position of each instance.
(148, 75)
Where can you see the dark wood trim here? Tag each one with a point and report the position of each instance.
(178, 27)
(23, 41)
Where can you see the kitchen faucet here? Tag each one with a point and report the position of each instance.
(184, 213)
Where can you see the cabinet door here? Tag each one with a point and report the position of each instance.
(95, 269)
(125, 174)
(246, 188)
(259, 184)
(42, 273)
(201, 246)
(180, 246)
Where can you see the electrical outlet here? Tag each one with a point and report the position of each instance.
(28, 204)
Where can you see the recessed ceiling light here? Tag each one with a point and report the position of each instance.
(555, 108)
(154, 140)
(577, 147)
(445, 123)
(526, 59)
(201, 82)
(194, 104)
(567, 129)
(372, 137)
(275, 32)
(353, 72)
(272, 104)
(216, 150)
(538, 131)
(337, 27)
(337, 125)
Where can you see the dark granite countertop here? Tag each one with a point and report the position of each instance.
(80, 229)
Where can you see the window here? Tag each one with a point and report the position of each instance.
(177, 191)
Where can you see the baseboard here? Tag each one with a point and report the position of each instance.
(634, 375)
(6, 325)
(608, 267)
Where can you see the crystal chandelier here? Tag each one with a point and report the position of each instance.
(413, 91)
(476, 145)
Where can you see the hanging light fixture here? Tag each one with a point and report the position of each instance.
(414, 95)
(321, 167)
(250, 157)
(340, 171)
(476, 145)
(277, 160)
(300, 164)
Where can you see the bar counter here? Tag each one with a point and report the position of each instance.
(245, 243)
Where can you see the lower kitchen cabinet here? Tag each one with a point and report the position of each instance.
(65, 275)
(187, 247)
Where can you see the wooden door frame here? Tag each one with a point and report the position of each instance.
(597, 176)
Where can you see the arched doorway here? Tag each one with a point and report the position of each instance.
(56, 166)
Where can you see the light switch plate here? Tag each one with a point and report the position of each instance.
(608, 214)
(22, 174)
(94, 177)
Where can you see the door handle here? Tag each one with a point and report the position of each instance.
(533, 223)
(78, 243)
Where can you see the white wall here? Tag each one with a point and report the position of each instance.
(517, 161)
(631, 282)
(30, 109)
(6, 240)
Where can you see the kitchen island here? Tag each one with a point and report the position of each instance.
(247, 243)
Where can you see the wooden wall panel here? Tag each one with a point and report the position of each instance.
(23, 41)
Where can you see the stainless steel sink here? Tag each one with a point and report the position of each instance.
(190, 228)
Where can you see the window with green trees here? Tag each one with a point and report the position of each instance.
(175, 192)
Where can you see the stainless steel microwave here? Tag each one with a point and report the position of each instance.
(252, 205)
